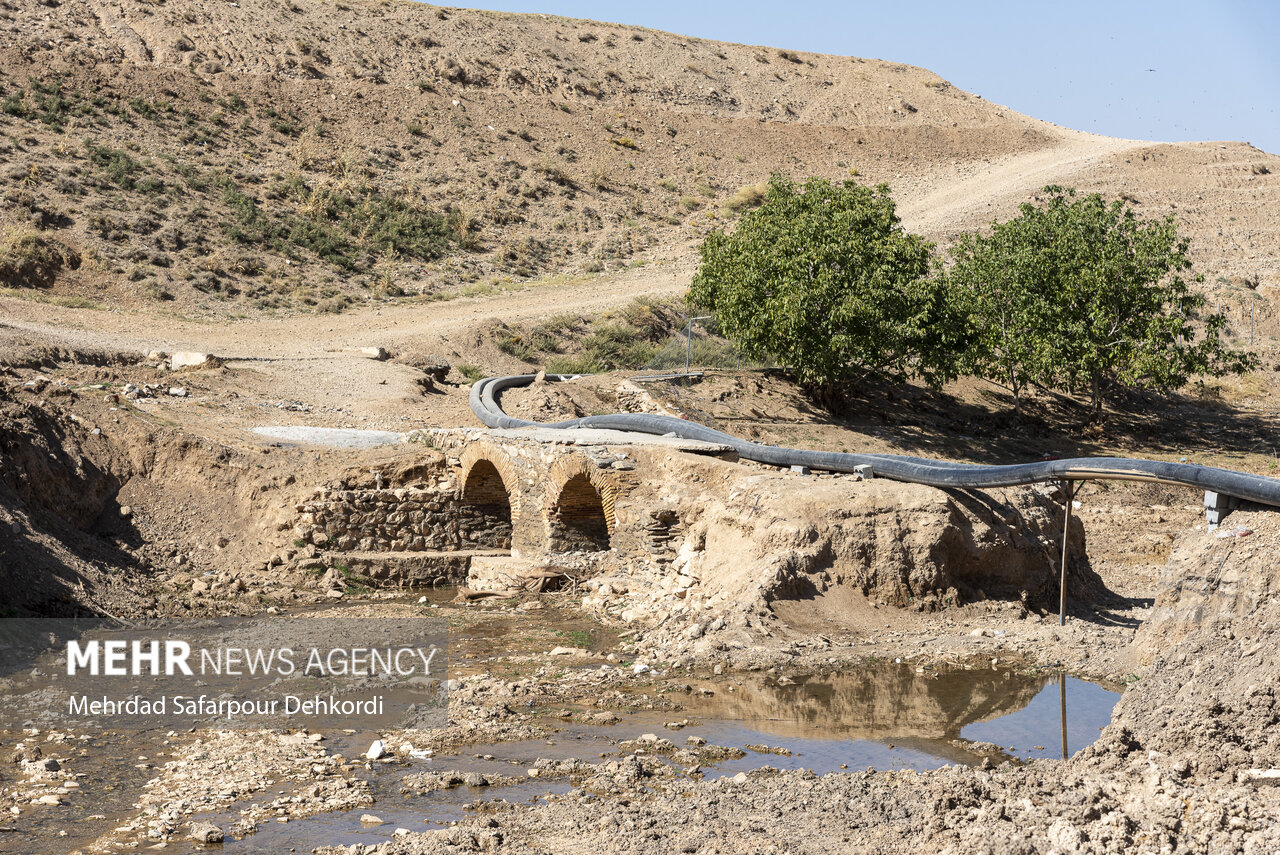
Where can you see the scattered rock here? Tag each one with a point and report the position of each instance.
(191, 359)
(568, 651)
(1260, 777)
(26, 754)
(206, 832)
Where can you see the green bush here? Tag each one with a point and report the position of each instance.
(1084, 296)
(30, 259)
(823, 278)
(15, 104)
(120, 168)
(627, 338)
(344, 227)
(612, 346)
(48, 100)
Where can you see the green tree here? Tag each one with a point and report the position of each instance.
(1084, 296)
(823, 278)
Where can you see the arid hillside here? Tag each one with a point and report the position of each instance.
(219, 160)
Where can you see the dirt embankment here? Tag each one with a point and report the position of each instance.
(757, 551)
(108, 511)
(64, 544)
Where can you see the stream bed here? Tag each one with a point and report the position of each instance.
(886, 717)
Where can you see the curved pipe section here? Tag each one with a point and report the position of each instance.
(918, 470)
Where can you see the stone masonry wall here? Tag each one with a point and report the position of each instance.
(473, 491)
(399, 520)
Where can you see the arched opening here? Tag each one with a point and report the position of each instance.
(578, 522)
(486, 520)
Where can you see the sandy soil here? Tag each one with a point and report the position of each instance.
(561, 147)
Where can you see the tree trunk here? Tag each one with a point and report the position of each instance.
(1095, 383)
(1017, 392)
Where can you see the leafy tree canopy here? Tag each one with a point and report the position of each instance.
(822, 277)
(1082, 295)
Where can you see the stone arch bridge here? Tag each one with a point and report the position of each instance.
(493, 504)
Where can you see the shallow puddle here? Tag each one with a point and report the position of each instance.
(110, 786)
(413, 812)
(889, 717)
(1081, 708)
(884, 717)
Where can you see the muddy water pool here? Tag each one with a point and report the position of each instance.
(881, 715)
(886, 717)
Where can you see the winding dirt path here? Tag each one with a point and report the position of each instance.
(316, 334)
(308, 358)
(981, 191)
(975, 193)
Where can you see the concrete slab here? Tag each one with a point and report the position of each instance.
(593, 436)
(331, 437)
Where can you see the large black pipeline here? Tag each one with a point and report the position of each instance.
(918, 470)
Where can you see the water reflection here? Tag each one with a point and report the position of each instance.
(1078, 708)
(851, 718)
(882, 716)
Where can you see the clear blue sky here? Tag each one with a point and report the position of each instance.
(1176, 70)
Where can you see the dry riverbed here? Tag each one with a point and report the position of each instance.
(551, 708)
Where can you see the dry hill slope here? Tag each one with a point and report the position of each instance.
(228, 159)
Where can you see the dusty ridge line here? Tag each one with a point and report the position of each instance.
(988, 189)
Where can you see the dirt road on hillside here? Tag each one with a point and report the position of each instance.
(972, 197)
(965, 198)
(387, 325)
(308, 363)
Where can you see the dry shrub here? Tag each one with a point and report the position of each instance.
(748, 196)
(32, 259)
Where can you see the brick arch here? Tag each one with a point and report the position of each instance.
(580, 497)
(487, 453)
